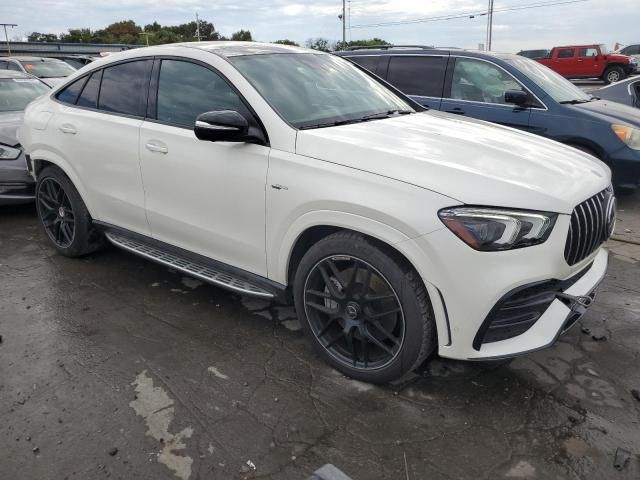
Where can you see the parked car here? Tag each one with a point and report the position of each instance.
(278, 171)
(17, 89)
(76, 61)
(626, 92)
(541, 53)
(517, 92)
(50, 70)
(589, 61)
(632, 50)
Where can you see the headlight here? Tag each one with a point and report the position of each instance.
(490, 229)
(9, 153)
(629, 135)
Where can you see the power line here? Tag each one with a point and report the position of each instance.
(468, 14)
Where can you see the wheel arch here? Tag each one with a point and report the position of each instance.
(41, 160)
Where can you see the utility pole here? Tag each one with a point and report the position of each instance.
(6, 36)
(146, 36)
(198, 36)
(344, 24)
(489, 25)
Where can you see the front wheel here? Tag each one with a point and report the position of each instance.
(367, 312)
(613, 75)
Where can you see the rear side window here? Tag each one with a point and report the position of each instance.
(124, 88)
(13, 66)
(185, 90)
(89, 96)
(368, 62)
(70, 94)
(565, 53)
(418, 75)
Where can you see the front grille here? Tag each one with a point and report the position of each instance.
(592, 224)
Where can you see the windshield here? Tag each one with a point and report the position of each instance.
(48, 68)
(17, 93)
(555, 85)
(603, 49)
(317, 90)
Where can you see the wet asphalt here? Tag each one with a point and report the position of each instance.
(115, 367)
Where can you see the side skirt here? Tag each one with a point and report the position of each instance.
(193, 264)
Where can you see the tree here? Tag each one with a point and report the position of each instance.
(242, 36)
(42, 37)
(319, 43)
(373, 42)
(287, 42)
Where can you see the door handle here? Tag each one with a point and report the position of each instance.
(456, 111)
(66, 128)
(154, 147)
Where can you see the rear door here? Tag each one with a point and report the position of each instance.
(98, 129)
(476, 88)
(419, 76)
(564, 61)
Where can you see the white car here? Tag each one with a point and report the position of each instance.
(288, 173)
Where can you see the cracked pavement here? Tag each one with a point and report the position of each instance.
(112, 366)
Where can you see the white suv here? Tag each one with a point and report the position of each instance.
(288, 173)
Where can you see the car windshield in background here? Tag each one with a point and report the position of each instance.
(318, 90)
(48, 68)
(17, 93)
(555, 85)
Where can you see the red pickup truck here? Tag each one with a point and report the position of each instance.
(589, 61)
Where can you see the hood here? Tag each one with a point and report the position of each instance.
(9, 123)
(618, 57)
(471, 161)
(53, 81)
(611, 112)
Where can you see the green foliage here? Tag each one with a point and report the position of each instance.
(373, 42)
(320, 43)
(127, 31)
(242, 36)
(287, 42)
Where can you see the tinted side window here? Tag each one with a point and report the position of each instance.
(89, 96)
(3, 64)
(368, 62)
(70, 94)
(565, 53)
(185, 90)
(479, 81)
(418, 75)
(124, 88)
(13, 66)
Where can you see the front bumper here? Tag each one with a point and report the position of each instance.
(16, 184)
(466, 285)
(625, 167)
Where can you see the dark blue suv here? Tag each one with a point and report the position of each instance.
(514, 91)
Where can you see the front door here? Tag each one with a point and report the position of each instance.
(477, 89)
(588, 63)
(205, 197)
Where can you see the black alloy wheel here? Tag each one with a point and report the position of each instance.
(354, 312)
(56, 212)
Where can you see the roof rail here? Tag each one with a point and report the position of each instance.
(387, 47)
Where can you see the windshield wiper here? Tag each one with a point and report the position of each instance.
(387, 114)
(574, 101)
(365, 118)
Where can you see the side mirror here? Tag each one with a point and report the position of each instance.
(517, 97)
(221, 126)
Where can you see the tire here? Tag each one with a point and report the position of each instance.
(351, 295)
(613, 75)
(64, 216)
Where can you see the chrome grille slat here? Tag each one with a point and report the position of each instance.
(588, 227)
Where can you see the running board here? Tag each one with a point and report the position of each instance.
(206, 273)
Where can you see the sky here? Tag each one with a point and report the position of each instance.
(590, 21)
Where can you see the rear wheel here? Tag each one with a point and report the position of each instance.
(613, 75)
(367, 312)
(64, 216)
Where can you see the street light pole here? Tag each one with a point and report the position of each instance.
(6, 36)
(344, 24)
(489, 25)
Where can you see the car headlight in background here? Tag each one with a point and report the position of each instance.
(629, 135)
(492, 229)
(9, 153)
